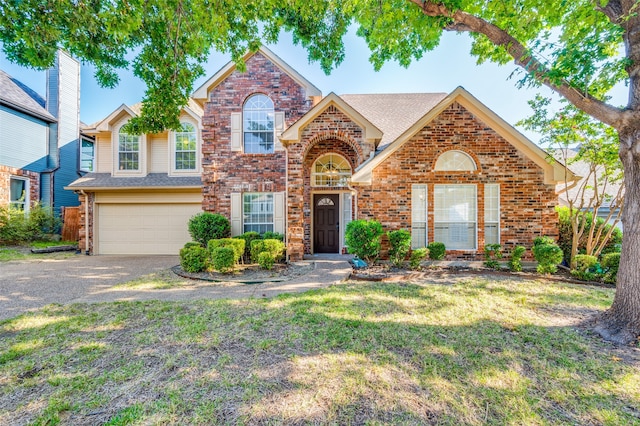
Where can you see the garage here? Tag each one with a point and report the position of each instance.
(143, 228)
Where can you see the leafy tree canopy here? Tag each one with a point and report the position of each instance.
(565, 44)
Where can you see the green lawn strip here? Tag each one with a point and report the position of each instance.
(479, 352)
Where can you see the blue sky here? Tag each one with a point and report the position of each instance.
(450, 65)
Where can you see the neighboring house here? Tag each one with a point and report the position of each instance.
(40, 138)
(265, 149)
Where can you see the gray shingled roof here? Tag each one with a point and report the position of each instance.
(105, 180)
(393, 113)
(16, 95)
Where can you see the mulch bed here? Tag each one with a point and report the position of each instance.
(251, 274)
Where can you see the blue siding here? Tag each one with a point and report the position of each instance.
(23, 140)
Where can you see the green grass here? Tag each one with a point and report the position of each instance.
(11, 253)
(478, 352)
(47, 244)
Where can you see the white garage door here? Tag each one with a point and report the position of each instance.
(144, 228)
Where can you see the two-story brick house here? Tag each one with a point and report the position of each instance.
(265, 149)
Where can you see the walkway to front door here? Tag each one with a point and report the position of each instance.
(326, 225)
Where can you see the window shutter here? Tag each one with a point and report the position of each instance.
(236, 213)
(236, 131)
(418, 216)
(279, 209)
(279, 127)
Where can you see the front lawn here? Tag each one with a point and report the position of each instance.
(477, 352)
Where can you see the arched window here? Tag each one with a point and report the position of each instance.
(330, 170)
(455, 161)
(185, 145)
(128, 151)
(258, 125)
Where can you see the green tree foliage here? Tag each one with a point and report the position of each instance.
(363, 239)
(17, 226)
(207, 226)
(580, 49)
(400, 244)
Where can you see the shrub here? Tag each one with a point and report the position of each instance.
(236, 244)
(400, 242)
(270, 235)
(266, 260)
(417, 256)
(547, 254)
(492, 252)
(18, 226)
(193, 259)
(192, 244)
(565, 237)
(611, 263)
(274, 247)
(223, 259)
(248, 237)
(207, 226)
(363, 239)
(515, 263)
(587, 267)
(437, 250)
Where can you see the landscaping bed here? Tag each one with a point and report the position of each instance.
(252, 274)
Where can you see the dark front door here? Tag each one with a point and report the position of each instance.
(326, 226)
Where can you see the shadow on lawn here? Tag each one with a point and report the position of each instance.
(346, 355)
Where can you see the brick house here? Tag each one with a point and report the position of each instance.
(267, 150)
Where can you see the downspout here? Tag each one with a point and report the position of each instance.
(86, 221)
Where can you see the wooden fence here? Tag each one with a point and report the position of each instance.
(71, 224)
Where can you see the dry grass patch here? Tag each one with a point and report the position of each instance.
(478, 352)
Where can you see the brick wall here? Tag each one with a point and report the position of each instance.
(526, 203)
(7, 172)
(331, 131)
(83, 232)
(226, 171)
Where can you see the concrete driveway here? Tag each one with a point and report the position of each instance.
(27, 285)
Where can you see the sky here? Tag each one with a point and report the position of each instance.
(442, 70)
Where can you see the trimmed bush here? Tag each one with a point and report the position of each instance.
(547, 254)
(270, 235)
(192, 244)
(236, 244)
(363, 239)
(437, 250)
(492, 252)
(587, 267)
(223, 258)
(266, 260)
(611, 263)
(400, 242)
(274, 247)
(515, 261)
(194, 259)
(417, 256)
(248, 237)
(207, 226)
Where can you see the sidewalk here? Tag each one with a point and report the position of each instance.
(328, 270)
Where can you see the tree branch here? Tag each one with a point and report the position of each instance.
(463, 21)
(613, 10)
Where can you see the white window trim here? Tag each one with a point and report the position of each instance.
(27, 191)
(414, 187)
(475, 248)
(497, 186)
(315, 174)
(93, 159)
(273, 213)
(439, 168)
(142, 154)
(243, 131)
(172, 150)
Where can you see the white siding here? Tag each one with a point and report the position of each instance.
(104, 155)
(158, 152)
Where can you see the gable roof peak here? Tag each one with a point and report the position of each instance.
(201, 94)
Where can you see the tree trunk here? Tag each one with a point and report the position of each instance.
(621, 323)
